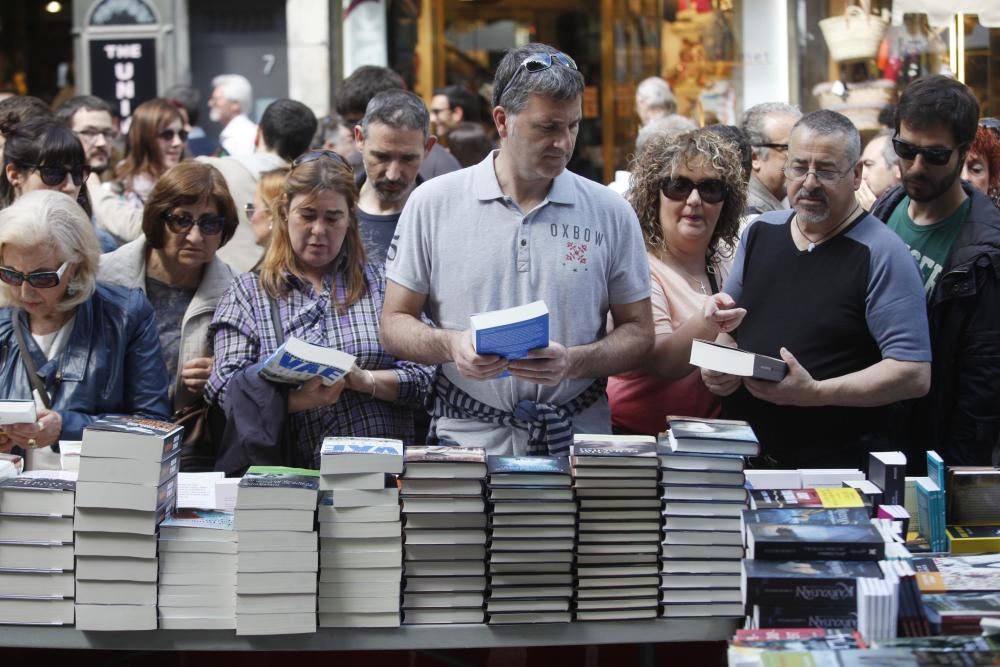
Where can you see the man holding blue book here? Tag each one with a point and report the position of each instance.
(515, 229)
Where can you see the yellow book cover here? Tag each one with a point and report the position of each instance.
(833, 497)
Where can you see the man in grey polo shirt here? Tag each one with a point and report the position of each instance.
(513, 229)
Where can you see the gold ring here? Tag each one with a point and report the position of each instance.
(32, 444)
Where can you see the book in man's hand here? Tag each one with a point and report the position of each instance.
(297, 361)
(511, 332)
(734, 361)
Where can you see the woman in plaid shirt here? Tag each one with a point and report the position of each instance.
(327, 294)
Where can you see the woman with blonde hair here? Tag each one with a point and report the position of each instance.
(79, 348)
(324, 291)
(688, 192)
(261, 212)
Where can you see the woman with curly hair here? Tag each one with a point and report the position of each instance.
(982, 164)
(689, 193)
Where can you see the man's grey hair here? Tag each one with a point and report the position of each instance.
(888, 152)
(512, 87)
(236, 88)
(670, 126)
(755, 118)
(826, 122)
(655, 93)
(398, 109)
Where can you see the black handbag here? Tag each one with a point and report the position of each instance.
(203, 425)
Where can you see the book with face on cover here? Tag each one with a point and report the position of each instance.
(297, 361)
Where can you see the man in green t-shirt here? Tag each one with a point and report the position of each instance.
(953, 231)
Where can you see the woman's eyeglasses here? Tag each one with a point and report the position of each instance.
(711, 190)
(168, 134)
(37, 279)
(538, 62)
(55, 175)
(935, 156)
(210, 225)
(312, 156)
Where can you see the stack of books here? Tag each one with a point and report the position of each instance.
(617, 553)
(360, 529)
(127, 485)
(197, 551)
(36, 548)
(445, 531)
(702, 488)
(532, 532)
(276, 555)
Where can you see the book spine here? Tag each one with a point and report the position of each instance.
(766, 368)
(826, 593)
(818, 551)
(798, 617)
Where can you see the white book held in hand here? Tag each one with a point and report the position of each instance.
(297, 361)
(512, 332)
(16, 411)
(734, 361)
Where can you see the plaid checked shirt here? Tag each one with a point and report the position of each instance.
(242, 335)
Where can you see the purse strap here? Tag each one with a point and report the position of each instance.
(279, 335)
(29, 365)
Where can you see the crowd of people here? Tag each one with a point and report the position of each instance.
(154, 276)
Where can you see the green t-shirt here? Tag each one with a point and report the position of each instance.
(929, 244)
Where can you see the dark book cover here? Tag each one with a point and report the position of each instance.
(692, 428)
(439, 454)
(798, 515)
(498, 465)
(887, 471)
(832, 584)
(137, 425)
(768, 541)
(280, 477)
(602, 448)
(767, 616)
(23, 483)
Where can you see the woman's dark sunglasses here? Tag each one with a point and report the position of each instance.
(934, 156)
(37, 279)
(55, 175)
(312, 156)
(168, 134)
(711, 190)
(210, 225)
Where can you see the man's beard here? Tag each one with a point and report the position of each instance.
(215, 115)
(391, 196)
(812, 217)
(922, 189)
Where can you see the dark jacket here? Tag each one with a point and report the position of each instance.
(111, 363)
(960, 416)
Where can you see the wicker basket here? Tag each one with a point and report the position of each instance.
(861, 102)
(854, 36)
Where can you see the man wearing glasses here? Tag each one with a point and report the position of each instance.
(516, 228)
(954, 233)
(90, 119)
(768, 126)
(836, 295)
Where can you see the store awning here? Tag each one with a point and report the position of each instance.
(941, 14)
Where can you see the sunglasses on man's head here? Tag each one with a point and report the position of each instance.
(168, 134)
(679, 188)
(55, 175)
(538, 62)
(934, 156)
(37, 279)
(181, 223)
(312, 156)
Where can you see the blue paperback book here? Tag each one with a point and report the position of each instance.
(297, 361)
(512, 332)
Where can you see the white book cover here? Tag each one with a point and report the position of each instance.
(297, 361)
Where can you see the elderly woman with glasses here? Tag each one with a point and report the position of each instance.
(76, 347)
(316, 277)
(688, 192)
(188, 217)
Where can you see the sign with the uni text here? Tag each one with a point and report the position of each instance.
(123, 71)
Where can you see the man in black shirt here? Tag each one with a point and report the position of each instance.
(838, 297)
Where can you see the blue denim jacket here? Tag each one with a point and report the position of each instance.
(111, 364)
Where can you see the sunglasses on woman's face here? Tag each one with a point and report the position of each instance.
(210, 225)
(55, 175)
(37, 279)
(679, 188)
(168, 134)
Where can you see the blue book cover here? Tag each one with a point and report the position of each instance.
(935, 468)
(794, 515)
(512, 332)
(297, 361)
(337, 446)
(498, 465)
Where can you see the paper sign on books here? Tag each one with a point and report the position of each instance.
(297, 361)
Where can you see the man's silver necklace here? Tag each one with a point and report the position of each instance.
(812, 244)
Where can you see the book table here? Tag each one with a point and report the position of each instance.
(407, 637)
